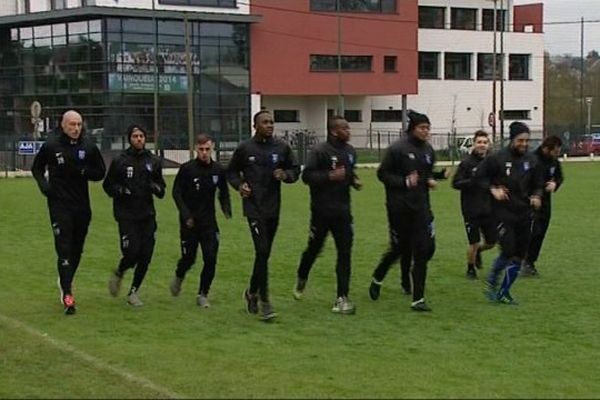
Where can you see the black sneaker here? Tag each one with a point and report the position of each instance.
(478, 260)
(251, 302)
(406, 289)
(267, 311)
(529, 270)
(507, 299)
(175, 286)
(420, 306)
(471, 274)
(374, 290)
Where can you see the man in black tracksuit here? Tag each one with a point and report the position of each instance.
(407, 173)
(256, 170)
(329, 172)
(547, 155)
(516, 184)
(476, 204)
(133, 178)
(194, 193)
(71, 160)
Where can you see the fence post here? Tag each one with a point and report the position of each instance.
(379, 146)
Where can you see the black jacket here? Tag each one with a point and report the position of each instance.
(70, 164)
(330, 198)
(133, 177)
(253, 162)
(475, 201)
(551, 171)
(194, 192)
(404, 156)
(517, 172)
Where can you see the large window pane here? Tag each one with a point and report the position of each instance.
(203, 3)
(367, 6)
(463, 18)
(348, 63)
(485, 66)
(519, 67)
(432, 17)
(429, 65)
(457, 66)
(487, 20)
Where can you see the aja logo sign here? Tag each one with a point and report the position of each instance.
(29, 148)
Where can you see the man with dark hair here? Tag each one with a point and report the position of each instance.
(329, 172)
(515, 182)
(71, 161)
(256, 170)
(133, 178)
(476, 204)
(407, 173)
(547, 155)
(194, 192)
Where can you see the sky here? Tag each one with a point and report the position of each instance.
(565, 39)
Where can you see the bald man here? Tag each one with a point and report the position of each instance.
(71, 161)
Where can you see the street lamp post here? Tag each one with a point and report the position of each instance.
(588, 102)
(494, 72)
(339, 59)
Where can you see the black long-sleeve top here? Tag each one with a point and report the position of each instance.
(133, 178)
(475, 200)
(403, 157)
(71, 163)
(552, 171)
(330, 198)
(253, 162)
(517, 172)
(194, 192)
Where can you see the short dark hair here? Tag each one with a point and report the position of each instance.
(552, 142)
(332, 122)
(480, 133)
(203, 138)
(258, 114)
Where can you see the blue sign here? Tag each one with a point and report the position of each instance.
(29, 148)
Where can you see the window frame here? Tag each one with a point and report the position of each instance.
(453, 19)
(437, 65)
(434, 25)
(512, 76)
(278, 116)
(469, 63)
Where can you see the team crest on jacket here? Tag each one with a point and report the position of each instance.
(526, 166)
(428, 158)
(59, 158)
(552, 171)
(251, 158)
(215, 179)
(149, 167)
(508, 166)
(81, 154)
(411, 156)
(351, 159)
(275, 158)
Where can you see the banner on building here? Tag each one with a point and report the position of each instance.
(144, 83)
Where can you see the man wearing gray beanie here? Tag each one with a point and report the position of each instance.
(516, 184)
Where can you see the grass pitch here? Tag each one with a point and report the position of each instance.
(547, 347)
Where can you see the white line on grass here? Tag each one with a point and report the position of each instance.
(91, 360)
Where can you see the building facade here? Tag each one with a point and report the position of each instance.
(117, 60)
(439, 53)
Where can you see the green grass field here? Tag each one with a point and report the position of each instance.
(547, 347)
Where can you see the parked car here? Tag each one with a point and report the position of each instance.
(588, 144)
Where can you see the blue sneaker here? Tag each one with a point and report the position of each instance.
(507, 299)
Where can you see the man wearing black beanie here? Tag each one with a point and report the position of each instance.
(133, 178)
(407, 173)
(516, 184)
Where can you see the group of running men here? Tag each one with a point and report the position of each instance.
(504, 195)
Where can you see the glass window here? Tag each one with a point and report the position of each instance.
(42, 31)
(429, 65)
(39, 5)
(59, 29)
(516, 114)
(386, 115)
(457, 66)
(487, 19)
(95, 25)
(485, 66)
(390, 63)
(205, 3)
(463, 18)
(58, 4)
(432, 17)
(353, 115)
(78, 27)
(286, 116)
(518, 69)
(349, 63)
(368, 6)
